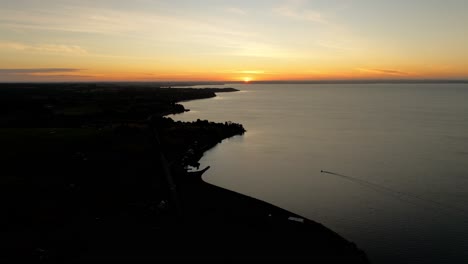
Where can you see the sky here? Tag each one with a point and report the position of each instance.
(215, 40)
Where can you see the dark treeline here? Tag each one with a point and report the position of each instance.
(74, 155)
(71, 105)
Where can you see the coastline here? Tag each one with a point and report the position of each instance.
(242, 210)
(83, 181)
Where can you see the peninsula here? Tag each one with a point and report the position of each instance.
(96, 171)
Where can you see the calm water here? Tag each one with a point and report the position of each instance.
(403, 151)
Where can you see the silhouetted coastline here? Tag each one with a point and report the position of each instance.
(94, 171)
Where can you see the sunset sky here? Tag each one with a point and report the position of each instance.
(150, 40)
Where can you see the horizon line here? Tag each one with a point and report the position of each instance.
(209, 82)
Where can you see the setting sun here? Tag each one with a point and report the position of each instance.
(178, 41)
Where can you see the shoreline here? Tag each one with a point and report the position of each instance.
(281, 217)
(84, 180)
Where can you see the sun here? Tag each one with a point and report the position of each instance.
(247, 79)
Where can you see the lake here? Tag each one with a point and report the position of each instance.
(383, 165)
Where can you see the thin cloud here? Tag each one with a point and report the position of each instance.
(303, 15)
(68, 49)
(384, 71)
(48, 48)
(37, 71)
(335, 45)
(391, 71)
(164, 29)
(43, 74)
(236, 11)
(254, 72)
(250, 72)
(113, 22)
(66, 76)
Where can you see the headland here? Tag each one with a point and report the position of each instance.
(97, 172)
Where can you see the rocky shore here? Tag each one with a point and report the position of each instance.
(96, 172)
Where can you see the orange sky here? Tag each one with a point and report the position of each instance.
(179, 40)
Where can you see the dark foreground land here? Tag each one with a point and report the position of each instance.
(95, 172)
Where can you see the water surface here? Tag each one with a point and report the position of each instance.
(403, 149)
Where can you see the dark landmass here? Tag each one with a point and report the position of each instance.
(95, 172)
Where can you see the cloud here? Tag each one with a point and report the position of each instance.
(68, 49)
(76, 76)
(133, 24)
(335, 45)
(384, 71)
(43, 75)
(48, 48)
(163, 30)
(237, 11)
(37, 71)
(250, 72)
(261, 50)
(303, 15)
(391, 71)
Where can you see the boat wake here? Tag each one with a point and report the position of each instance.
(402, 196)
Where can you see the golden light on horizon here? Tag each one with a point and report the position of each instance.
(150, 43)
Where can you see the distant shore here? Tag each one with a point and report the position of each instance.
(167, 84)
